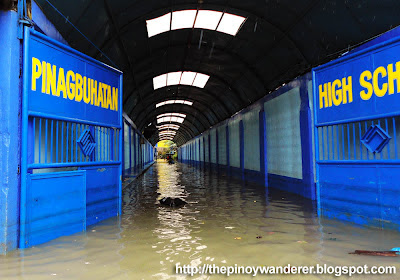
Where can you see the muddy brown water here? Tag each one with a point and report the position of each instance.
(219, 225)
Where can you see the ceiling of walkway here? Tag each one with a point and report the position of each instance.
(279, 40)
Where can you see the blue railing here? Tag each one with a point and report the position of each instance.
(54, 143)
(342, 142)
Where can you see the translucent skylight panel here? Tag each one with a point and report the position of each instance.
(200, 80)
(167, 102)
(167, 133)
(207, 19)
(230, 24)
(160, 104)
(183, 19)
(169, 126)
(170, 119)
(158, 25)
(160, 81)
(187, 78)
(171, 114)
(184, 78)
(173, 78)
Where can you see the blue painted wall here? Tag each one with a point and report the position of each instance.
(270, 142)
(10, 103)
(138, 153)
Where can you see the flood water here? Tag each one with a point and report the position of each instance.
(219, 225)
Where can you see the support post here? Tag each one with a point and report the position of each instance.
(241, 142)
(263, 147)
(228, 165)
(306, 127)
(9, 130)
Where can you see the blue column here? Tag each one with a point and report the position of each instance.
(199, 159)
(216, 149)
(263, 147)
(228, 164)
(209, 149)
(306, 127)
(204, 151)
(130, 149)
(10, 119)
(135, 153)
(241, 141)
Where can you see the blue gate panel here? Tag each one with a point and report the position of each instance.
(102, 193)
(55, 206)
(71, 117)
(362, 194)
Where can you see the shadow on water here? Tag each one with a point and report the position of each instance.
(225, 222)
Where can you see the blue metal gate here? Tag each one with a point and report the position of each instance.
(71, 141)
(357, 125)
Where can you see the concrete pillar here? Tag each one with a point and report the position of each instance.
(209, 149)
(263, 147)
(227, 148)
(10, 104)
(130, 149)
(135, 152)
(216, 149)
(241, 141)
(306, 127)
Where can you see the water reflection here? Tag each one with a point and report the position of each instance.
(225, 222)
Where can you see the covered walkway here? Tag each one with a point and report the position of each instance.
(285, 115)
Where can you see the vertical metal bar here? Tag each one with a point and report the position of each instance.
(72, 141)
(343, 152)
(40, 139)
(366, 128)
(361, 146)
(394, 137)
(51, 142)
(56, 141)
(45, 142)
(101, 144)
(76, 142)
(327, 141)
(387, 131)
(354, 141)
(379, 123)
(337, 142)
(333, 143)
(67, 144)
(34, 138)
(323, 142)
(62, 142)
(348, 141)
(374, 153)
(110, 144)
